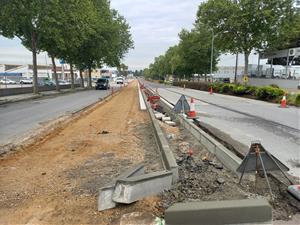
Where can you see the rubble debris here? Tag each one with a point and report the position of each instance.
(219, 166)
(166, 118)
(171, 136)
(220, 180)
(104, 132)
(138, 218)
(184, 147)
(170, 123)
(158, 116)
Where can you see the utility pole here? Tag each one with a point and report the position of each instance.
(212, 54)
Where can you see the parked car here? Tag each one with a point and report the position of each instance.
(120, 80)
(103, 84)
(26, 81)
(7, 81)
(63, 82)
(46, 83)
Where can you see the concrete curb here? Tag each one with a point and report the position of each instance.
(142, 101)
(132, 189)
(226, 157)
(106, 193)
(166, 152)
(248, 211)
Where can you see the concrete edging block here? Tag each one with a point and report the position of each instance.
(129, 190)
(227, 158)
(247, 211)
(166, 153)
(106, 193)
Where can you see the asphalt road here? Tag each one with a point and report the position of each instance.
(19, 118)
(239, 121)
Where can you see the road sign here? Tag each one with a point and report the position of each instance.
(245, 79)
(61, 61)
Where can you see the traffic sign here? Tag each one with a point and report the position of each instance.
(245, 79)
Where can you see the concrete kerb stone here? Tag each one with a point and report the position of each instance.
(247, 211)
(106, 193)
(134, 188)
(142, 101)
(227, 158)
(166, 153)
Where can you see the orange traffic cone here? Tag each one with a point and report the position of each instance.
(283, 101)
(192, 113)
(211, 90)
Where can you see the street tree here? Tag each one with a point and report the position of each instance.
(195, 51)
(66, 28)
(22, 19)
(246, 25)
(108, 43)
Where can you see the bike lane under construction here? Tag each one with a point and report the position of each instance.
(56, 180)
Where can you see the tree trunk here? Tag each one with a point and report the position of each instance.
(55, 73)
(81, 79)
(246, 63)
(34, 63)
(205, 77)
(90, 78)
(72, 76)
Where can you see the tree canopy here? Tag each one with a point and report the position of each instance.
(245, 25)
(191, 56)
(85, 33)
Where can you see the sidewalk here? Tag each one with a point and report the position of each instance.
(24, 97)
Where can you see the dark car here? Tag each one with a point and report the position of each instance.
(103, 84)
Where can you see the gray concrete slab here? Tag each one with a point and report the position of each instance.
(106, 193)
(132, 189)
(249, 211)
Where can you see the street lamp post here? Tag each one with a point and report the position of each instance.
(236, 67)
(212, 53)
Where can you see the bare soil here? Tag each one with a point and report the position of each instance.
(56, 179)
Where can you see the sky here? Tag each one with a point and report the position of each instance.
(155, 25)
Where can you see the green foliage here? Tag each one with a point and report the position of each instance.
(239, 90)
(228, 88)
(87, 33)
(297, 100)
(191, 56)
(250, 90)
(243, 25)
(268, 93)
(274, 85)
